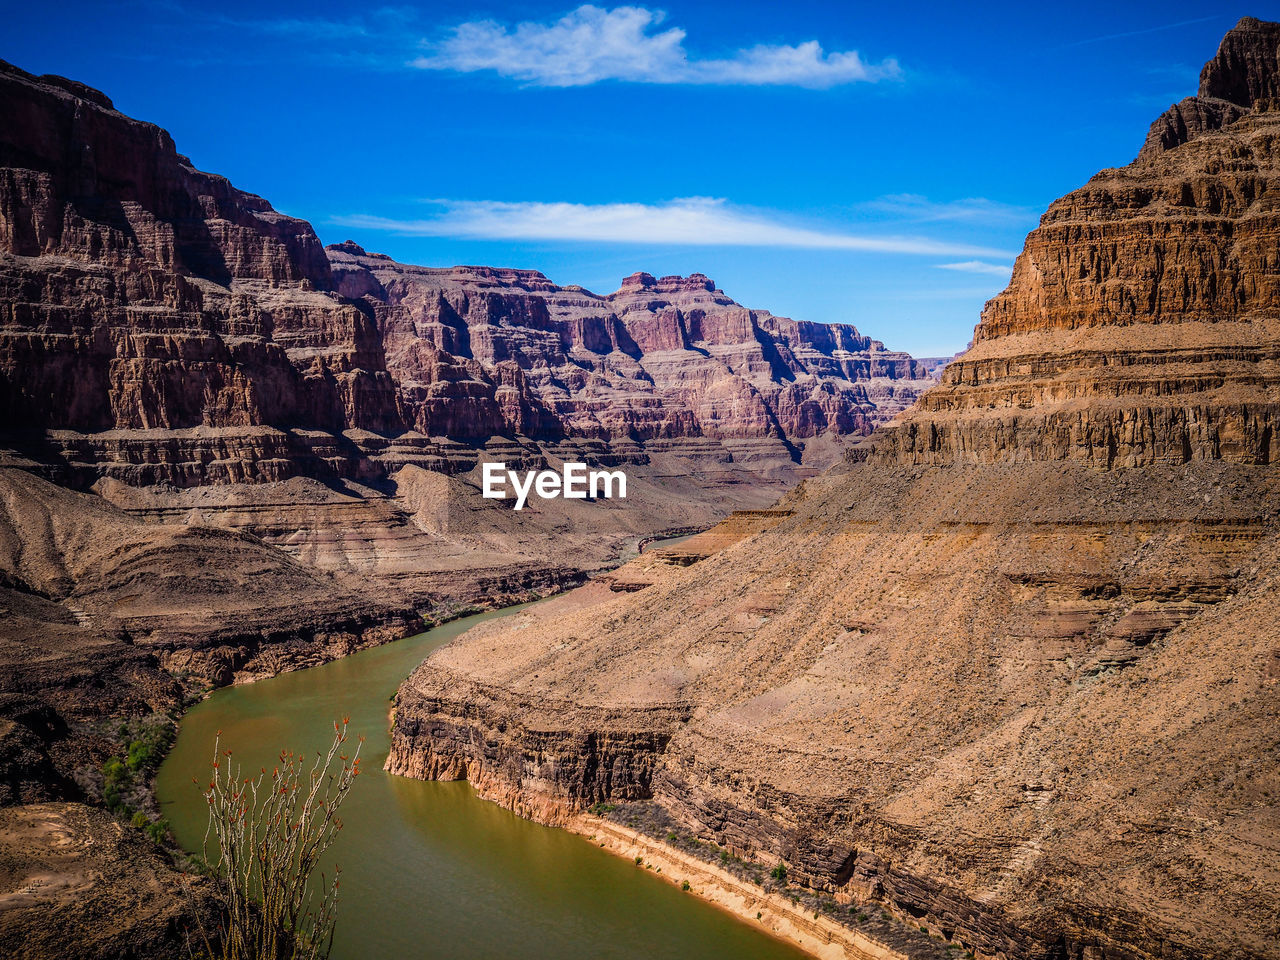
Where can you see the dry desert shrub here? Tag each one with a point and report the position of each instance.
(264, 841)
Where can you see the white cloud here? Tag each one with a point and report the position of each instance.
(978, 266)
(591, 44)
(692, 221)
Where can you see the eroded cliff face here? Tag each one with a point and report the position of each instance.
(662, 364)
(1011, 671)
(1140, 325)
(160, 326)
(141, 295)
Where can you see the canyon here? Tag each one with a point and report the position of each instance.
(186, 353)
(1008, 671)
(228, 451)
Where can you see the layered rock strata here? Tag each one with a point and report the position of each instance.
(157, 325)
(140, 294)
(196, 358)
(478, 352)
(1011, 671)
(1142, 322)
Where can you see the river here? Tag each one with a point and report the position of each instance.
(428, 869)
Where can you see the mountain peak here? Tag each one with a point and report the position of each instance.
(1246, 68)
(347, 246)
(668, 284)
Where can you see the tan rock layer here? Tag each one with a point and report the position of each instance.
(1012, 669)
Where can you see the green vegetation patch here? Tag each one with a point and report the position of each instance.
(123, 781)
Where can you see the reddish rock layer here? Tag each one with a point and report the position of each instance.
(478, 351)
(139, 293)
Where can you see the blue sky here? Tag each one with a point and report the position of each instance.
(877, 164)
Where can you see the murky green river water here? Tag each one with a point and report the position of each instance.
(429, 870)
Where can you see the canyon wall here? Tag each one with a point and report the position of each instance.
(195, 358)
(161, 326)
(1010, 671)
(661, 364)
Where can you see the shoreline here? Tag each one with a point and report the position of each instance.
(772, 913)
(438, 618)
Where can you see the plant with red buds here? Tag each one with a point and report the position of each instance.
(265, 838)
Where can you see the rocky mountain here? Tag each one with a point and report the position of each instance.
(662, 363)
(1010, 672)
(195, 357)
(159, 324)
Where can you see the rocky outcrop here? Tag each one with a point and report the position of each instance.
(478, 352)
(138, 294)
(1246, 69)
(1244, 76)
(109, 616)
(1187, 120)
(1139, 326)
(1009, 672)
(542, 774)
(79, 885)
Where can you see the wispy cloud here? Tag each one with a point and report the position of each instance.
(978, 266)
(1145, 30)
(374, 38)
(592, 44)
(913, 207)
(691, 221)
(312, 29)
(587, 45)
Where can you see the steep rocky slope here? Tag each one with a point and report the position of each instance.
(141, 295)
(107, 622)
(1011, 672)
(76, 883)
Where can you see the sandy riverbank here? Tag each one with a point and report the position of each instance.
(820, 936)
